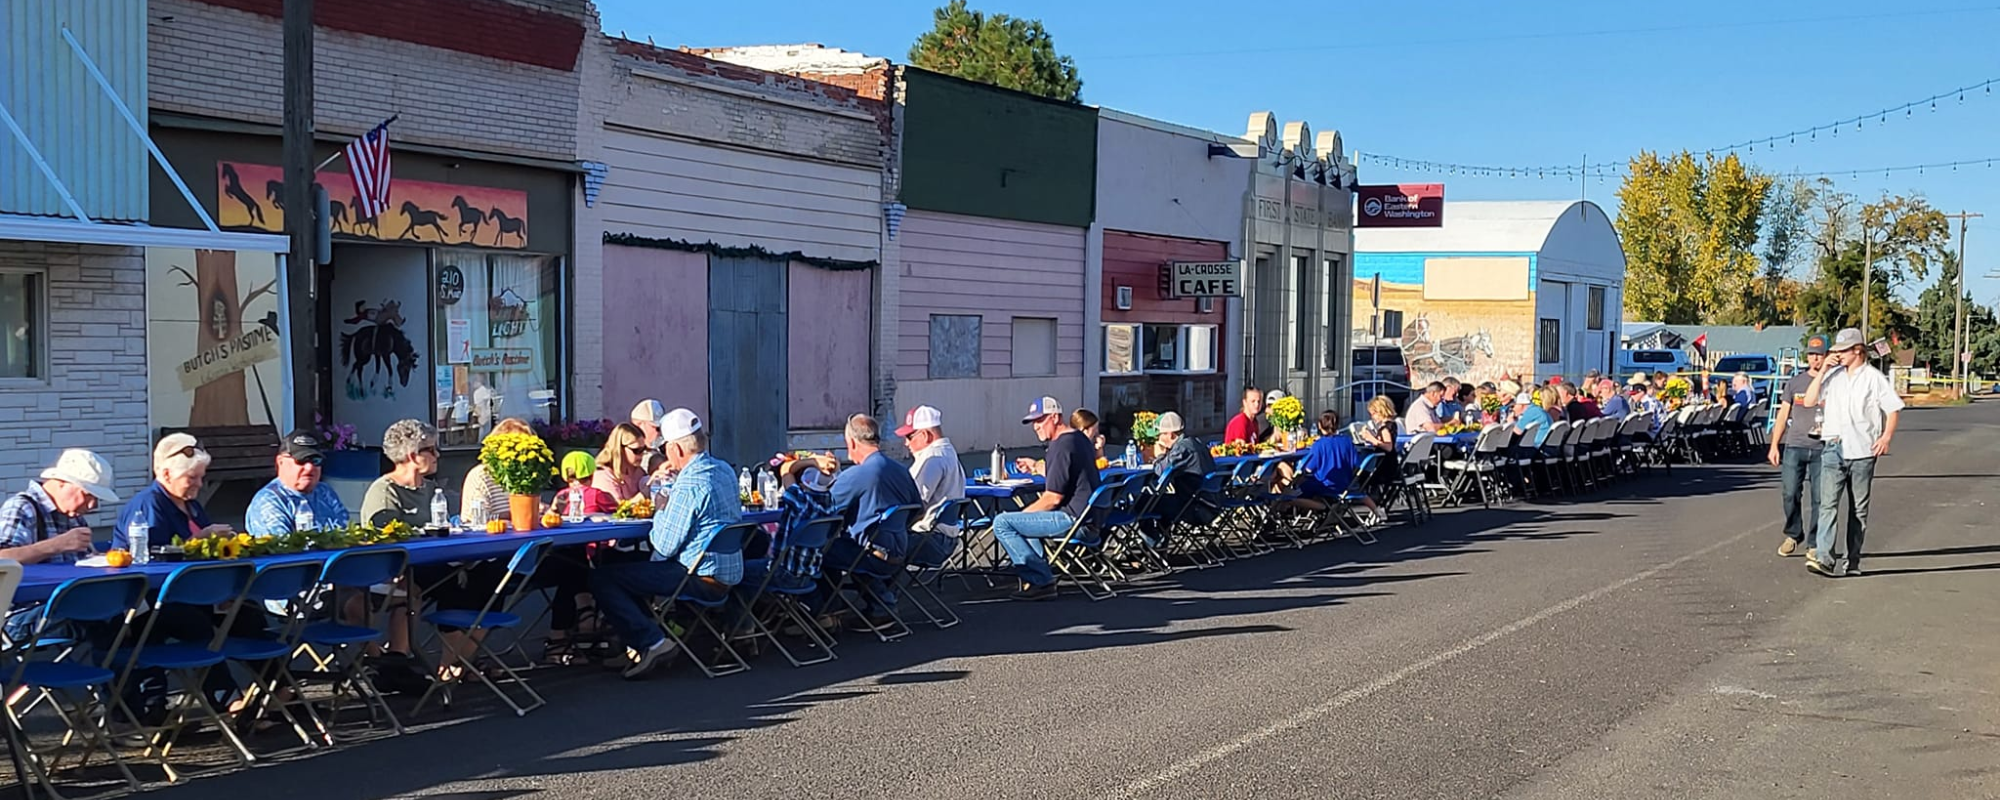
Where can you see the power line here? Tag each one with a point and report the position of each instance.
(1546, 35)
(1908, 109)
(1574, 171)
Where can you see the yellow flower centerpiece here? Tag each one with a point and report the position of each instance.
(636, 507)
(1288, 415)
(1676, 391)
(522, 463)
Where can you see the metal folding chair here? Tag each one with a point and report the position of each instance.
(871, 580)
(336, 648)
(498, 613)
(203, 586)
(701, 607)
(1078, 555)
(790, 576)
(79, 692)
(926, 568)
(268, 660)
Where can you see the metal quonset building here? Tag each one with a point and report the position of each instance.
(1521, 288)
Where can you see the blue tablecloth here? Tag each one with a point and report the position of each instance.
(38, 581)
(1467, 439)
(974, 488)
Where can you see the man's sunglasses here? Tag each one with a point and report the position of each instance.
(188, 451)
(310, 461)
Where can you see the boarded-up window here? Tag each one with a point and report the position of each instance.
(1476, 278)
(955, 345)
(1594, 316)
(1034, 346)
(1548, 341)
(21, 311)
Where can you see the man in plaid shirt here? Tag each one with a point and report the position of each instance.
(703, 503)
(44, 525)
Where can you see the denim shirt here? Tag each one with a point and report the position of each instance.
(275, 510)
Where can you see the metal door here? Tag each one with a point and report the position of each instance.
(746, 358)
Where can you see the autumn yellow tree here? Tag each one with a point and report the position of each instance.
(1689, 226)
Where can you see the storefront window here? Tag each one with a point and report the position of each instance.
(1180, 348)
(499, 335)
(1121, 349)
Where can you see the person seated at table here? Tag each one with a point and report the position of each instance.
(1249, 425)
(404, 494)
(940, 479)
(168, 505)
(1187, 457)
(1573, 407)
(861, 494)
(1464, 404)
(44, 523)
(621, 465)
(1741, 391)
(647, 417)
(1610, 402)
(1072, 476)
(1085, 420)
(1328, 469)
(1380, 432)
(702, 502)
(482, 497)
(1452, 403)
(572, 614)
(578, 497)
(297, 499)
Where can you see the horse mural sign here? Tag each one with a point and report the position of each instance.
(249, 198)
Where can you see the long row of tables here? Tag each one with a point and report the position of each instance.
(40, 580)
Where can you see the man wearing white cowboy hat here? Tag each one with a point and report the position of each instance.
(44, 525)
(1857, 417)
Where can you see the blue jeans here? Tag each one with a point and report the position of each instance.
(1013, 530)
(932, 548)
(1843, 484)
(1800, 467)
(625, 592)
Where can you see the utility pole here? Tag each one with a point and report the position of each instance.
(1867, 275)
(301, 277)
(1959, 345)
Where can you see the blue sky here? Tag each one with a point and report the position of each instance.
(1516, 83)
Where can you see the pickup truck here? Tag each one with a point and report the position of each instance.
(1762, 369)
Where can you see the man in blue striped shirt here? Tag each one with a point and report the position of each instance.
(296, 500)
(702, 503)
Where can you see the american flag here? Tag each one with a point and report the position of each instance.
(368, 164)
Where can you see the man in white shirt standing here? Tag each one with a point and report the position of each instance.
(940, 480)
(1858, 411)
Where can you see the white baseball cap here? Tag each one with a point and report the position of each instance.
(920, 418)
(1169, 422)
(648, 410)
(678, 423)
(86, 470)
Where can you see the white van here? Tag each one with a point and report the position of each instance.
(1650, 361)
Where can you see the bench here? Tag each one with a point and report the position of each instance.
(236, 452)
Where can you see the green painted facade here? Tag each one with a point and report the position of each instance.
(984, 151)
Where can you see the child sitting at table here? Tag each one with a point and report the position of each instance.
(581, 498)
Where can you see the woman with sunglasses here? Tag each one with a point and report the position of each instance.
(621, 465)
(168, 505)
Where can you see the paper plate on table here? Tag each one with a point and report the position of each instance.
(94, 561)
(1014, 482)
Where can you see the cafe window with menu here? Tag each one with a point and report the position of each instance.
(498, 326)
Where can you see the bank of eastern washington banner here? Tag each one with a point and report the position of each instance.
(248, 197)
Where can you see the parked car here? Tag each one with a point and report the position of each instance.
(1650, 361)
(1380, 370)
(1762, 369)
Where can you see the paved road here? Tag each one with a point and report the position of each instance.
(1646, 644)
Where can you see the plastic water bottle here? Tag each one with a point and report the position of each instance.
(440, 509)
(304, 520)
(140, 536)
(999, 471)
(767, 485)
(743, 484)
(576, 509)
(1132, 455)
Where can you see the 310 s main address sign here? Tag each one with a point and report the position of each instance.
(1205, 278)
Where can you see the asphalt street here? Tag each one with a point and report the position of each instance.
(1644, 642)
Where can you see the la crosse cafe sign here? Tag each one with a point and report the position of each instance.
(1204, 279)
(1399, 205)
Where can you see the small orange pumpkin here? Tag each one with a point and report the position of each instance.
(118, 558)
(496, 526)
(551, 520)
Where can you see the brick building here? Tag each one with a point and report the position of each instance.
(453, 305)
(74, 197)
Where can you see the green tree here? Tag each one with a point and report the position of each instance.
(1689, 227)
(997, 49)
(1908, 237)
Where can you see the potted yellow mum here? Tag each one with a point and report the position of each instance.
(522, 463)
